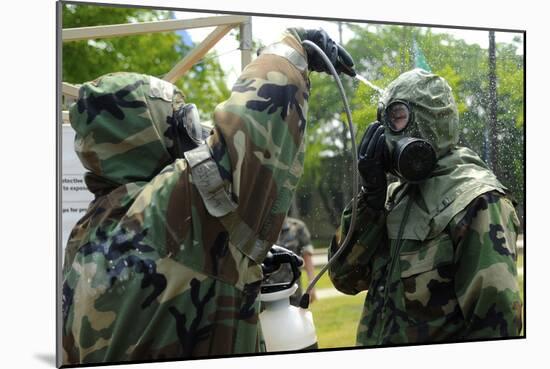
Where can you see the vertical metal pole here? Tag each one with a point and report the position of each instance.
(245, 30)
(404, 46)
(492, 101)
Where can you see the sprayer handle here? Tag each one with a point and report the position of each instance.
(344, 62)
(336, 54)
(278, 255)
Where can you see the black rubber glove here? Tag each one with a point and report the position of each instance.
(372, 154)
(338, 56)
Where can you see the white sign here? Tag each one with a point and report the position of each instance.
(75, 195)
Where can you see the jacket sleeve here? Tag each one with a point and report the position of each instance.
(351, 271)
(258, 143)
(486, 280)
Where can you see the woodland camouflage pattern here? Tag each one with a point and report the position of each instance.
(148, 272)
(447, 270)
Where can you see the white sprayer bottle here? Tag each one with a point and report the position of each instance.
(284, 327)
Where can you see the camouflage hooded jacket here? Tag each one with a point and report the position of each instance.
(439, 263)
(149, 272)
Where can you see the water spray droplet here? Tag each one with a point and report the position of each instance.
(368, 83)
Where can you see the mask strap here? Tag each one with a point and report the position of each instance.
(178, 153)
(184, 119)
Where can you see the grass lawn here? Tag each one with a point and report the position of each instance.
(336, 320)
(324, 282)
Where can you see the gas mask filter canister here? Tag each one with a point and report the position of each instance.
(413, 159)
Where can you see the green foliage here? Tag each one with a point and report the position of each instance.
(381, 53)
(154, 54)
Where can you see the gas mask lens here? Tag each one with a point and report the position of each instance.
(412, 159)
(189, 122)
(397, 116)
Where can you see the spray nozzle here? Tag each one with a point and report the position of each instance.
(345, 68)
(304, 301)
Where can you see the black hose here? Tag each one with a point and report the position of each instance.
(304, 302)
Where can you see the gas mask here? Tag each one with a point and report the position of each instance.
(188, 131)
(408, 157)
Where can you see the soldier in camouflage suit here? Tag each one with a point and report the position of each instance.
(166, 262)
(438, 257)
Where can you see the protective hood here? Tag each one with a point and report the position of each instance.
(123, 128)
(459, 175)
(434, 109)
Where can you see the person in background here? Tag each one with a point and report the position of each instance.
(165, 264)
(436, 249)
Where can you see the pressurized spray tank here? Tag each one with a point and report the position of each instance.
(284, 327)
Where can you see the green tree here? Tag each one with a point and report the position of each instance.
(154, 54)
(381, 53)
